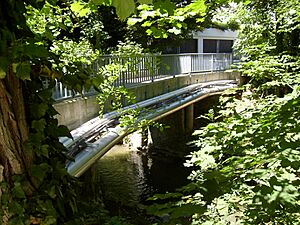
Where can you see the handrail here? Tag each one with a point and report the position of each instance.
(149, 67)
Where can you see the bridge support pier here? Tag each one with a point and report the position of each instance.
(181, 124)
(189, 119)
(172, 141)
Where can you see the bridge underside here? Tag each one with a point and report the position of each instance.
(181, 124)
(94, 138)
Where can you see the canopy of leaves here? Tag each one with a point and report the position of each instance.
(167, 22)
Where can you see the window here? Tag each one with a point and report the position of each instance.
(210, 46)
(225, 46)
(189, 46)
(217, 46)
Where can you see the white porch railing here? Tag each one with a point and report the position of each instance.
(151, 67)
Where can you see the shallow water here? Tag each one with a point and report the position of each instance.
(130, 176)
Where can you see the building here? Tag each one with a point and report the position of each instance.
(210, 40)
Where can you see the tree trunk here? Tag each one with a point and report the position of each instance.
(13, 131)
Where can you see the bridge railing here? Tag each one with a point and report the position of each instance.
(149, 67)
(60, 92)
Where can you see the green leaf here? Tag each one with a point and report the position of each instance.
(44, 150)
(157, 33)
(198, 7)
(36, 50)
(80, 9)
(132, 21)
(63, 131)
(50, 220)
(23, 70)
(2, 73)
(165, 196)
(97, 2)
(39, 110)
(60, 205)
(36, 139)
(17, 208)
(52, 192)
(247, 2)
(16, 220)
(165, 6)
(84, 12)
(18, 190)
(147, 24)
(187, 210)
(124, 8)
(52, 2)
(76, 7)
(97, 81)
(145, 1)
(146, 14)
(39, 171)
(39, 125)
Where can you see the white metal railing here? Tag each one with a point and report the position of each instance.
(150, 67)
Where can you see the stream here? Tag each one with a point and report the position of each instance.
(129, 177)
(126, 177)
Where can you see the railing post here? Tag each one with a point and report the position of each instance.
(191, 69)
(61, 90)
(122, 72)
(212, 62)
(176, 65)
(152, 68)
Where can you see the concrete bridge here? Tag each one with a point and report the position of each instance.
(157, 99)
(146, 77)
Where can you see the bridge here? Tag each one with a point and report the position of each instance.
(194, 79)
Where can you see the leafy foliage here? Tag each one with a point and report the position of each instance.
(246, 170)
(252, 155)
(68, 39)
(53, 199)
(166, 22)
(56, 40)
(111, 96)
(44, 39)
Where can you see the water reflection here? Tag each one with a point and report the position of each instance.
(130, 177)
